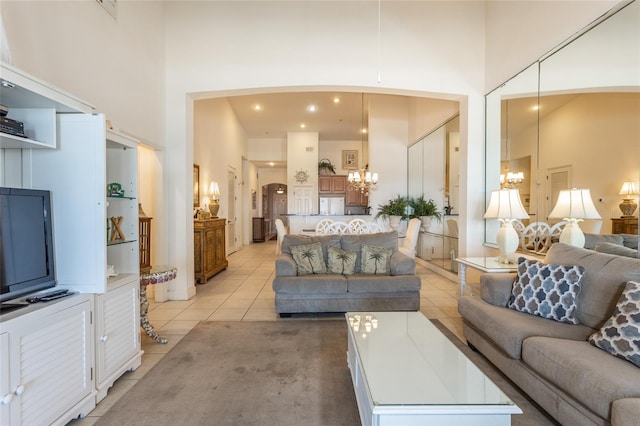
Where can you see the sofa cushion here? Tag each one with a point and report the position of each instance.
(611, 248)
(630, 240)
(605, 277)
(325, 241)
(620, 335)
(311, 284)
(360, 283)
(387, 240)
(507, 328)
(375, 260)
(341, 261)
(591, 240)
(590, 375)
(309, 259)
(546, 290)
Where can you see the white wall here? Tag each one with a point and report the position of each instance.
(519, 32)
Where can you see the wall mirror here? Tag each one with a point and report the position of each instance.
(572, 117)
(433, 171)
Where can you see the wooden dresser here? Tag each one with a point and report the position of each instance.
(209, 248)
(624, 225)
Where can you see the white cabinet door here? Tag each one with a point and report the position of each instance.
(117, 334)
(75, 172)
(51, 361)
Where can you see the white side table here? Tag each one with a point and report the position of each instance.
(484, 264)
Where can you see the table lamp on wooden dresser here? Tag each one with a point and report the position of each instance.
(629, 191)
(214, 205)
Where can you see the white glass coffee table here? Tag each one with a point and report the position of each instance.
(406, 372)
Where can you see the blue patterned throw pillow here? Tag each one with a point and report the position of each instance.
(620, 335)
(547, 290)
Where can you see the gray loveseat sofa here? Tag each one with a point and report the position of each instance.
(334, 292)
(574, 381)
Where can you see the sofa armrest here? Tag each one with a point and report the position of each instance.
(401, 264)
(625, 411)
(496, 288)
(286, 266)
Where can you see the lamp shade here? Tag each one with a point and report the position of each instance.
(505, 204)
(575, 204)
(214, 189)
(629, 189)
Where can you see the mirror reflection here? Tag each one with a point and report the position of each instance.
(570, 120)
(433, 172)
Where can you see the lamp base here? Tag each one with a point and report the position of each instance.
(572, 234)
(627, 207)
(508, 242)
(214, 206)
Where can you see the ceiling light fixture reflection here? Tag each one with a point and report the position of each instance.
(272, 164)
(312, 108)
(536, 107)
(302, 125)
(336, 100)
(257, 107)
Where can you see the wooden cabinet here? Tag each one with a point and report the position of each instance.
(356, 198)
(333, 184)
(209, 248)
(117, 333)
(624, 225)
(46, 361)
(259, 230)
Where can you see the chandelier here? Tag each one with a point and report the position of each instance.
(362, 180)
(511, 180)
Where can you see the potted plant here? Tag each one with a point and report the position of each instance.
(325, 167)
(395, 210)
(425, 210)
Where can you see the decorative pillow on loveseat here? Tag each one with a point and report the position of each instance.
(620, 335)
(342, 261)
(546, 290)
(309, 259)
(375, 260)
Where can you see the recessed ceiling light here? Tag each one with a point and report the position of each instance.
(272, 164)
(536, 107)
(364, 131)
(336, 100)
(257, 107)
(302, 125)
(312, 108)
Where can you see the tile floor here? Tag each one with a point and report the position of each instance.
(243, 293)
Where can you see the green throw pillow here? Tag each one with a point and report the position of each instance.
(342, 261)
(308, 258)
(375, 260)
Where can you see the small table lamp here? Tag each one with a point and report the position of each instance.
(629, 190)
(505, 205)
(214, 205)
(574, 205)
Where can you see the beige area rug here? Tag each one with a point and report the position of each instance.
(291, 372)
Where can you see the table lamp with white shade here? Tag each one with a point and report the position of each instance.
(505, 205)
(629, 190)
(574, 205)
(214, 205)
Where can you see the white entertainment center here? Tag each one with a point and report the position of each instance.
(59, 358)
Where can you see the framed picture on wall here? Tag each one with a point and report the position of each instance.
(196, 185)
(350, 159)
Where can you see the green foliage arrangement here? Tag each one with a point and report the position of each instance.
(395, 207)
(325, 164)
(421, 207)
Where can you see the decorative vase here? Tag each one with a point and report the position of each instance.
(426, 222)
(394, 222)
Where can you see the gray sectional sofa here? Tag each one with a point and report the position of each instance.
(618, 244)
(573, 380)
(399, 290)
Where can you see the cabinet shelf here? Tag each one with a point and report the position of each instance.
(121, 198)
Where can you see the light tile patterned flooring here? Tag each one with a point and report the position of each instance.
(243, 293)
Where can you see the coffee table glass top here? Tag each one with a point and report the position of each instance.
(488, 264)
(408, 361)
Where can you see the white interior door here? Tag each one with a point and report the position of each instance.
(303, 199)
(558, 178)
(232, 239)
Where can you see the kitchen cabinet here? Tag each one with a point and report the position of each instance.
(334, 184)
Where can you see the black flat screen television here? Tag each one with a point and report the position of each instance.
(26, 243)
